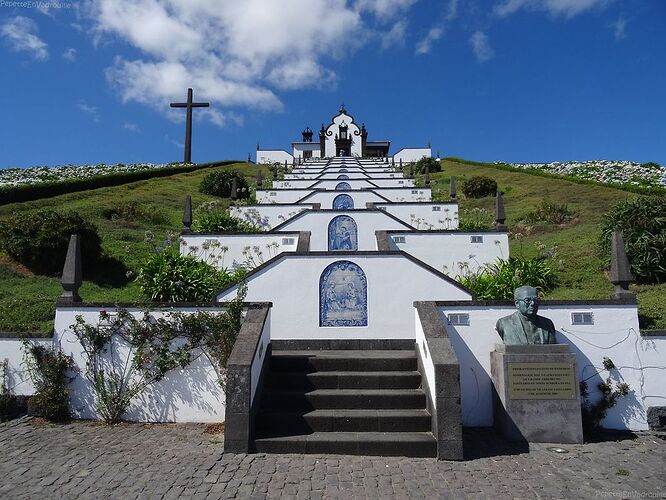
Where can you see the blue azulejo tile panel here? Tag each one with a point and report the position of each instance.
(343, 295)
(343, 202)
(343, 177)
(343, 186)
(342, 234)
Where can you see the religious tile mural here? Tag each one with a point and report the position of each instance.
(343, 295)
(343, 202)
(342, 177)
(343, 186)
(342, 234)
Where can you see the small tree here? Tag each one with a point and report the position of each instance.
(642, 221)
(431, 163)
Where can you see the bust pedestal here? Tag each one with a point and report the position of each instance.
(537, 397)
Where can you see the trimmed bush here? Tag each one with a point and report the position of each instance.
(218, 183)
(550, 212)
(432, 164)
(168, 276)
(222, 222)
(498, 281)
(14, 194)
(642, 221)
(479, 186)
(39, 239)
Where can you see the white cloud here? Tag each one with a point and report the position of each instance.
(556, 8)
(395, 36)
(424, 45)
(88, 109)
(620, 28)
(482, 49)
(384, 9)
(132, 127)
(234, 54)
(21, 34)
(69, 55)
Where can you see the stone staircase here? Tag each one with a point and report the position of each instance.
(344, 401)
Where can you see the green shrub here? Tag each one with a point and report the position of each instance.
(168, 276)
(479, 186)
(550, 212)
(39, 239)
(498, 281)
(48, 369)
(222, 222)
(433, 165)
(132, 211)
(28, 192)
(218, 183)
(475, 219)
(593, 413)
(642, 221)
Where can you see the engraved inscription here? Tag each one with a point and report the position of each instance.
(542, 381)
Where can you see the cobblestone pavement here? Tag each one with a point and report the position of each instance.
(88, 460)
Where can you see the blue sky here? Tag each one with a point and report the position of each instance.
(512, 80)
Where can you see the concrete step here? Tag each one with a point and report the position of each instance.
(299, 381)
(398, 444)
(343, 360)
(281, 423)
(344, 399)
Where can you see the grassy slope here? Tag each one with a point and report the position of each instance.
(27, 302)
(583, 275)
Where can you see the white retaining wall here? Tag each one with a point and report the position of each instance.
(236, 250)
(192, 394)
(281, 195)
(268, 216)
(361, 198)
(18, 379)
(406, 194)
(424, 215)
(641, 361)
(394, 283)
(273, 156)
(410, 155)
(367, 223)
(449, 252)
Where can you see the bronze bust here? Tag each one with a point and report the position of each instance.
(525, 326)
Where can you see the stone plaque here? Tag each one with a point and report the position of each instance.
(541, 381)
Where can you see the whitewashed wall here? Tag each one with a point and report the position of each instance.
(641, 361)
(333, 129)
(281, 195)
(273, 156)
(268, 216)
(424, 215)
(298, 149)
(18, 379)
(190, 395)
(409, 155)
(446, 251)
(392, 183)
(329, 185)
(367, 223)
(238, 250)
(325, 198)
(405, 195)
(291, 283)
(293, 183)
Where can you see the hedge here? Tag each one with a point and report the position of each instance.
(654, 191)
(16, 194)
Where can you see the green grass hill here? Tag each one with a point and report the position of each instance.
(27, 301)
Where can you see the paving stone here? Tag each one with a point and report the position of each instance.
(85, 460)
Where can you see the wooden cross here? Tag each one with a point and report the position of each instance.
(188, 121)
